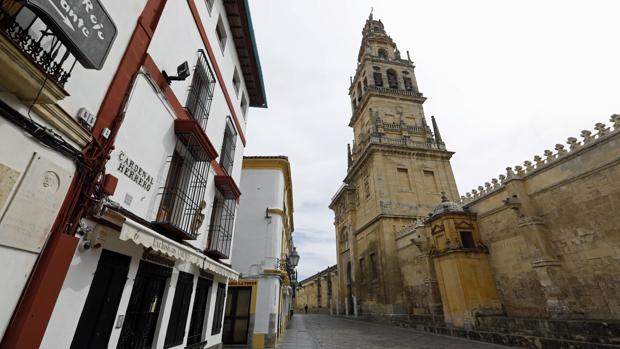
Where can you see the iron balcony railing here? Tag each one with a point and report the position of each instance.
(221, 227)
(181, 211)
(36, 40)
(201, 91)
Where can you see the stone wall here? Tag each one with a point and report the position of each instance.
(553, 229)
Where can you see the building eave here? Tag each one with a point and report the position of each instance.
(240, 21)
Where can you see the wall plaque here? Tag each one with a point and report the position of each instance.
(27, 221)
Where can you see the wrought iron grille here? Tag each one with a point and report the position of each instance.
(201, 91)
(36, 40)
(182, 205)
(221, 227)
(227, 157)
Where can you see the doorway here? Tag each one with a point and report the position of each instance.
(97, 319)
(237, 315)
(144, 306)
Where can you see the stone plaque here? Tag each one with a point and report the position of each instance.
(8, 177)
(27, 221)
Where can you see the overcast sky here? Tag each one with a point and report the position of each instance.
(505, 80)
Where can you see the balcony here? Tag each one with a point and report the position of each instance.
(181, 210)
(221, 227)
(32, 57)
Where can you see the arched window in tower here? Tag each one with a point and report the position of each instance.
(392, 79)
(376, 75)
(359, 91)
(382, 53)
(408, 84)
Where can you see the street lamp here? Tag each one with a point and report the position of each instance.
(293, 258)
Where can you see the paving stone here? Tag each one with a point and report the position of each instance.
(314, 331)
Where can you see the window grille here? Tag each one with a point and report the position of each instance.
(221, 227)
(182, 205)
(227, 155)
(201, 91)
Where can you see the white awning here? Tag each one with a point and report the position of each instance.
(149, 238)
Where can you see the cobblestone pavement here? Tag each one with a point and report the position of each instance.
(326, 332)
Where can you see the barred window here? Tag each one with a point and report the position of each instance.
(227, 155)
(180, 211)
(221, 227)
(201, 91)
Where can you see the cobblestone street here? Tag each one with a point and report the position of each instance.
(327, 332)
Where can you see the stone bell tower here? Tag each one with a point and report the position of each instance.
(397, 169)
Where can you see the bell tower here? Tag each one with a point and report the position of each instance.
(397, 169)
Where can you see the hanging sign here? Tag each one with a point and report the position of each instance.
(83, 26)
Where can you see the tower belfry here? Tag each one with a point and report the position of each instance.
(397, 168)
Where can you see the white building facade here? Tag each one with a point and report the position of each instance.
(261, 300)
(149, 266)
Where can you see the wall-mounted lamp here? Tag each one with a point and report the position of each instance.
(182, 73)
(293, 258)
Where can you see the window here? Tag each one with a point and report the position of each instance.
(362, 271)
(467, 239)
(408, 84)
(373, 265)
(366, 187)
(209, 5)
(244, 105)
(378, 78)
(403, 179)
(199, 311)
(181, 206)
(429, 182)
(180, 307)
(236, 82)
(201, 91)
(227, 155)
(382, 53)
(220, 31)
(392, 79)
(221, 227)
(365, 83)
(219, 309)
(359, 92)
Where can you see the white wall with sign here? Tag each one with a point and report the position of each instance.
(34, 184)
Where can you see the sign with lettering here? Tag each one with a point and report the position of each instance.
(84, 26)
(133, 171)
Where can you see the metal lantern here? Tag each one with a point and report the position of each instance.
(293, 258)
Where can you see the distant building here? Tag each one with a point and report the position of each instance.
(141, 196)
(260, 302)
(538, 243)
(319, 292)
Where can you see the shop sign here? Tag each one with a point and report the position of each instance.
(84, 26)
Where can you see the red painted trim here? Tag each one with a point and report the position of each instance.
(190, 127)
(216, 68)
(226, 184)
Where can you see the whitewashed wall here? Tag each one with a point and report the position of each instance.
(257, 240)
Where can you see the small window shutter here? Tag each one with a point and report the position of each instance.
(180, 308)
